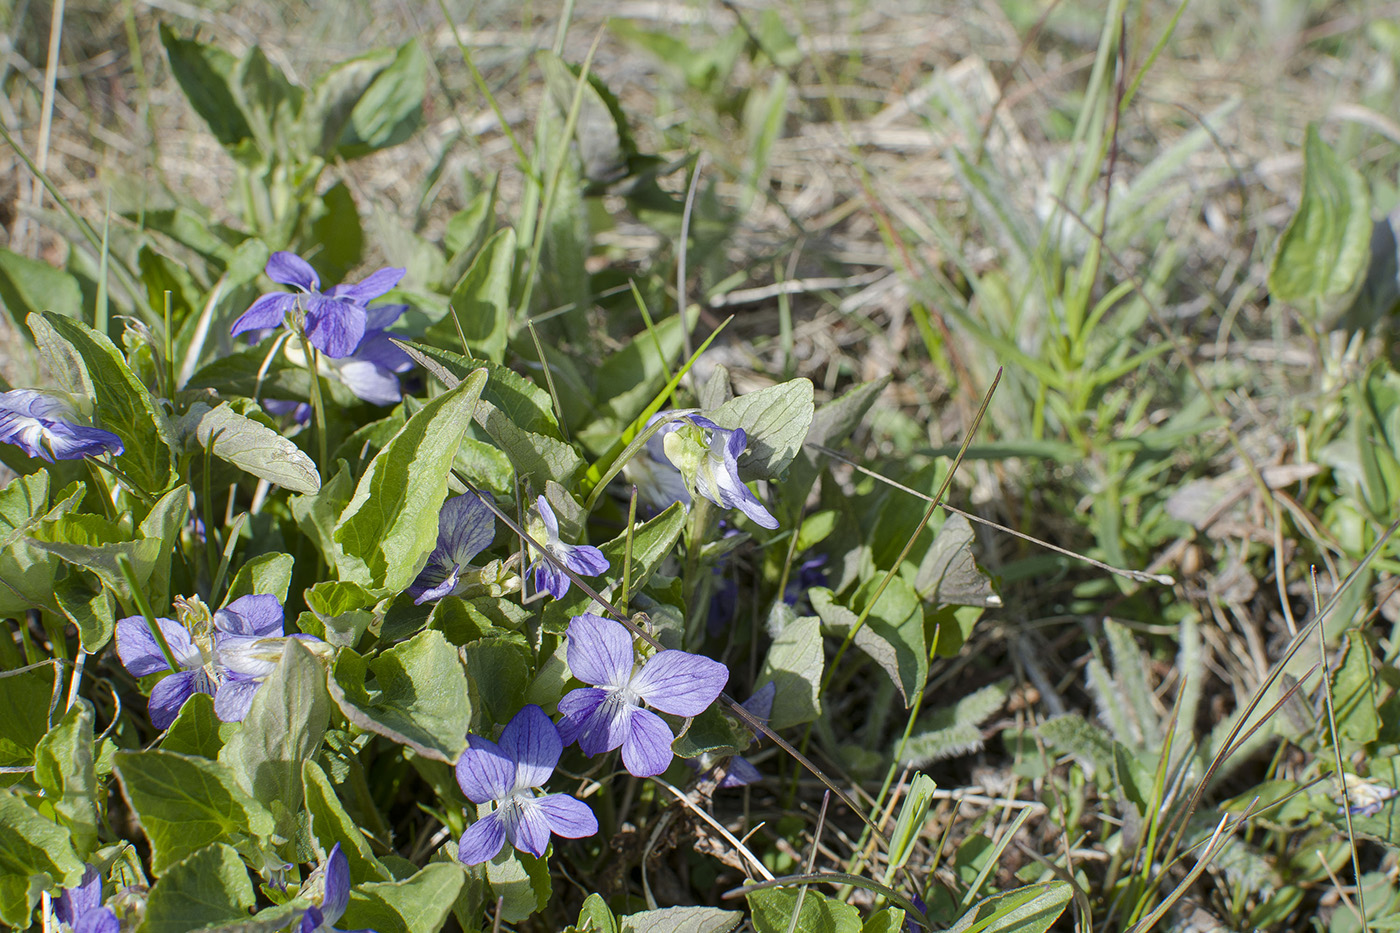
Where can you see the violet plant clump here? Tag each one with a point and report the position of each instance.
(609, 714)
(506, 775)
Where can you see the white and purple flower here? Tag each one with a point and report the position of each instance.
(507, 775)
(229, 663)
(43, 425)
(334, 321)
(696, 457)
(582, 559)
(80, 909)
(466, 527)
(609, 714)
(335, 896)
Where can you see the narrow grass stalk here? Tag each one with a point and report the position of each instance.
(143, 605)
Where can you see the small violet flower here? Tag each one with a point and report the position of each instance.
(704, 458)
(43, 425)
(507, 774)
(609, 713)
(580, 558)
(334, 321)
(334, 899)
(466, 527)
(229, 663)
(80, 909)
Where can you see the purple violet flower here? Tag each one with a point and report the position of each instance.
(371, 371)
(659, 484)
(42, 425)
(80, 909)
(466, 527)
(609, 714)
(507, 774)
(334, 321)
(229, 663)
(335, 898)
(582, 559)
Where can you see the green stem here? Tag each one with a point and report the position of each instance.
(317, 405)
(143, 605)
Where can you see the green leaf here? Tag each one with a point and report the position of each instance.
(910, 824)
(269, 574)
(631, 377)
(256, 449)
(342, 608)
(204, 73)
(482, 298)
(249, 374)
(284, 728)
(86, 603)
(32, 286)
(317, 515)
(893, 633)
(25, 695)
(794, 664)
(335, 225)
(595, 916)
(537, 458)
(776, 420)
(391, 523)
(196, 730)
(1355, 700)
(390, 109)
(712, 733)
(773, 909)
(26, 569)
(92, 542)
(521, 880)
(210, 886)
(418, 697)
(1032, 909)
(64, 767)
(331, 824)
(35, 856)
(1324, 251)
(499, 668)
(682, 920)
(1072, 733)
(954, 730)
(948, 573)
(123, 404)
(524, 403)
(419, 904)
(186, 803)
(889, 920)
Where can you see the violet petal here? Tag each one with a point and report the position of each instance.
(599, 651)
(485, 772)
(647, 748)
(680, 683)
(482, 840)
